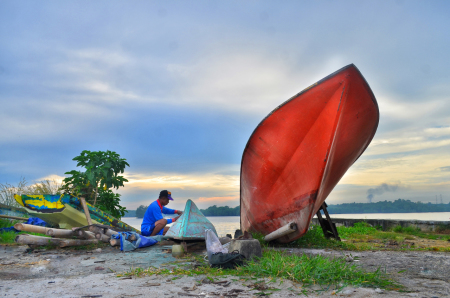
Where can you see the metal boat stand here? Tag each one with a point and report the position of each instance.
(328, 227)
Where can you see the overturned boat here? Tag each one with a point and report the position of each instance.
(191, 225)
(300, 151)
(67, 212)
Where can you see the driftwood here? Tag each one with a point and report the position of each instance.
(85, 234)
(76, 242)
(110, 232)
(13, 217)
(96, 230)
(114, 242)
(60, 233)
(102, 237)
(31, 228)
(37, 240)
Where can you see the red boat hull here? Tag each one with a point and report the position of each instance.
(300, 151)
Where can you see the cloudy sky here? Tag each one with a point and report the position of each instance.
(177, 87)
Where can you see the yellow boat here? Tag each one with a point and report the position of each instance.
(66, 211)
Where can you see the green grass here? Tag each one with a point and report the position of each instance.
(438, 235)
(303, 269)
(313, 239)
(360, 237)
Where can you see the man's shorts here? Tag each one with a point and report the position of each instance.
(147, 230)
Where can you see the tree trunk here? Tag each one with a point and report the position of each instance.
(37, 240)
(95, 195)
(31, 228)
(60, 233)
(114, 242)
(102, 237)
(86, 211)
(76, 242)
(86, 234)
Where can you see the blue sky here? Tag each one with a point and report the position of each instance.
(177, 87)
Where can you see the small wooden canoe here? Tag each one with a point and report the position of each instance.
(66, 211)
(300, 151)
(191, 225)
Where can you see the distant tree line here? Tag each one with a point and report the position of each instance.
(130, 213)
(397, 206)
(221, 211)
(140, 211)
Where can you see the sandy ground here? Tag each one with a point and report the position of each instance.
(70, 273)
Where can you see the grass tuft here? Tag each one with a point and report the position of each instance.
(304, 269)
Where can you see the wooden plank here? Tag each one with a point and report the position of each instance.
(86, 210)
(13, 217)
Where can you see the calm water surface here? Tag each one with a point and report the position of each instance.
(438, 216)
(223, 224)
(229, 224)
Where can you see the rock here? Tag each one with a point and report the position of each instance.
(347, 292)
(237, 234)
(348, 258)
(249, 248)
(98, 250)
(224, 240)
(379, 291)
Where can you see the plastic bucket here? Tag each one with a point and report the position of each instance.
(177, 251)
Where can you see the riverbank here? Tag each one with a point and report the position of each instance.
(388, 224)
(72, 273)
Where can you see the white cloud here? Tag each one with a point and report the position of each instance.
(408, 140)
(158, 181)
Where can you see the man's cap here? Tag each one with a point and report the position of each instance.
(165, 193)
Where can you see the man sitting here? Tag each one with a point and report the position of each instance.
(153, 222)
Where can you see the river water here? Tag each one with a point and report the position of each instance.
(223, 224)
(229, 224)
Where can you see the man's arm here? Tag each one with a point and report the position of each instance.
(157, 215)
(166, 210)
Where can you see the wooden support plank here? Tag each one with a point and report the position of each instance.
(13, 217)
(86, 210)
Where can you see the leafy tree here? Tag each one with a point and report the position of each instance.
(102, 173)
(140, 212)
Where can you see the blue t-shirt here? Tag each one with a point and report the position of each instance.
(153, 214)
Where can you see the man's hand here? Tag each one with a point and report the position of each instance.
(179, 212)
(175, 218)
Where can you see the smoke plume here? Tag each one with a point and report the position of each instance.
(379, 190)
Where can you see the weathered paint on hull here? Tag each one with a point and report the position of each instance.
(13, 211)
(191, 225)
(300, 151)
(66, 211)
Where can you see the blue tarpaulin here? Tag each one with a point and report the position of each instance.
(31, 221)
(128, 245)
